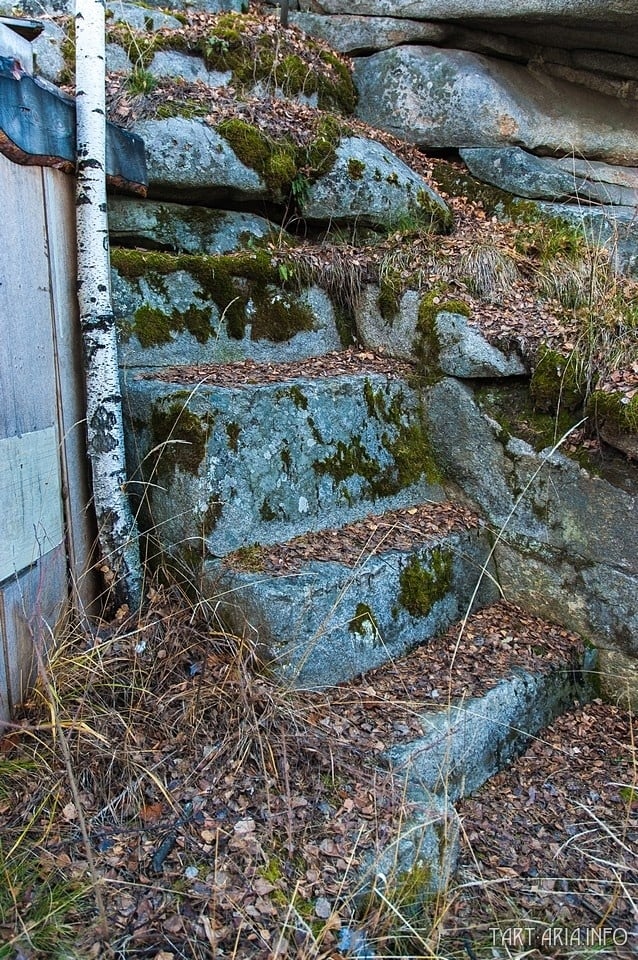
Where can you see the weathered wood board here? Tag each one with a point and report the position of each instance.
(45, 527)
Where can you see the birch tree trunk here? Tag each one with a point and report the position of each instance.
(118, 537)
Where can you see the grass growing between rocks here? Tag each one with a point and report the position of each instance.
(227, 817)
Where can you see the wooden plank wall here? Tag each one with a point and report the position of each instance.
(46, 531)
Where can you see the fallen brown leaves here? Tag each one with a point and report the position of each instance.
(554, 840)
(230, 818)
(350, 544)
(247, 372)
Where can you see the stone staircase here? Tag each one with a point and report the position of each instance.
(292, 480)
(302, 498)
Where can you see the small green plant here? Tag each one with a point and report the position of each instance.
(141, 82)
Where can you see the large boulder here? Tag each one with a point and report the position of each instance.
(566, 539)
(447, 98)
(370, 185)
(187, 160)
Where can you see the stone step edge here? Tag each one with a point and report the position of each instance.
(427, 844)
(392, 530)
(336, 364)
(469, 742)
(330, 622)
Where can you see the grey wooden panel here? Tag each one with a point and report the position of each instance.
(59, 193)
(30, 606)
(26, 349)
(30, 499)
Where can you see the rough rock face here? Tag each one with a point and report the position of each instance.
(461, 351)
(566, 544)
(547, 178)
(369, 184)
(188, 160)
(352, 34)
(583, 23)
(183, 229)
(553, 78)
(450, 98)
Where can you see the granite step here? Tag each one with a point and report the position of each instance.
(195, 308)
(451, 714)
(331, 605)
(221, 458)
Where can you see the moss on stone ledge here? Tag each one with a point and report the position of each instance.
(244, 286)
(235, 43)
(179, 439)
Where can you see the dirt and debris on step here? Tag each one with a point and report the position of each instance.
(463, 663)
(403, 529)
(550, 846)
(339, 363)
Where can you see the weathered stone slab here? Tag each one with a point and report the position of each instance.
(465, 744)
(173, 63)
(583, 25)
(544, 496)
(446, 98)
(595, 599)
(142, 17)
(174, 322)
(372, 186)
(188, 161)
(311, 623)
(357, 35)
(566, 540)
(183, 229)
(526, 175)
(235, 466)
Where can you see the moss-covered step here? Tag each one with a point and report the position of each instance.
(184, 309)
(218, 467)
(332, 605)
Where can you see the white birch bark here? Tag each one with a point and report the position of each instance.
(118, 537)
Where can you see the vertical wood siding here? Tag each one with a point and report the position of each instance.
(45, 528)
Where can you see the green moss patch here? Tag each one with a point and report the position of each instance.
(557, 382)
(422, 586)
(426, 346)
(153, 327)
(180, 437)
(620, 413)
(245, 287)
(364, 622)
(285, 166)
(406, 442)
